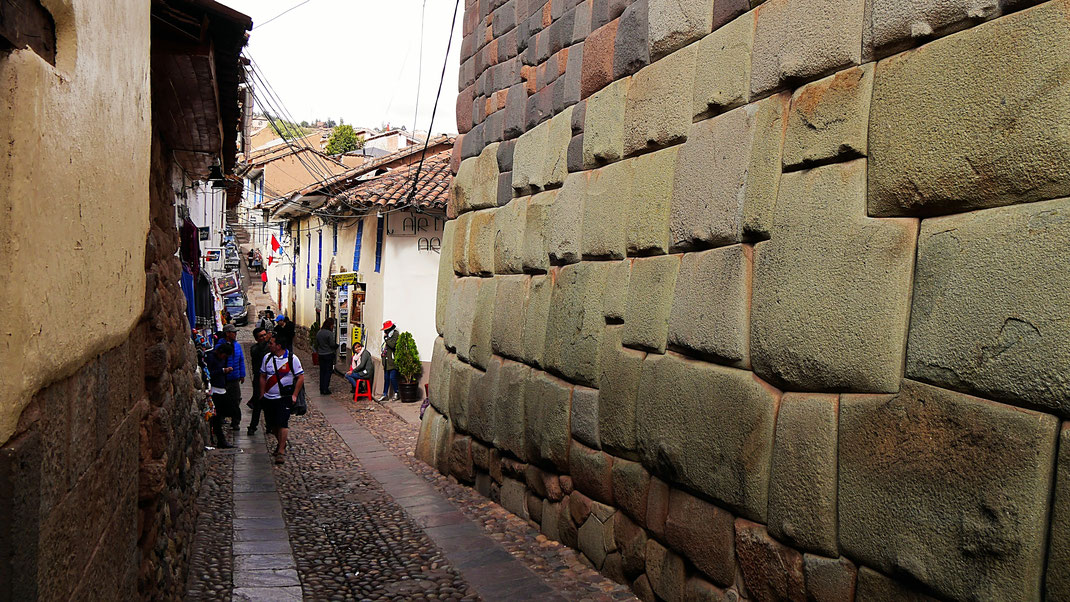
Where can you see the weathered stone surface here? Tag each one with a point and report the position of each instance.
(1057, 582)
(990, 314)
(631, 487)
(666, 571)
(536, 228)
(445, 276)
(797, 40)
(579, 506)
(591, 472)
(603, 126)
(1017, 87)
(597, 70)
(575, 153)
(540, 158)
(727, 175)
(710, 427)
(802, 482)
(657, 507)
(432, 427)
(481, 233)
(535, 318)
(551, 516)
(711, 305)
(440, 377)
(722, 67)
(592, 542)
(618, 383)
(460, 243)
(651, 202)
(565, 214)
(641, 587)
(771, 570)
(575, 324)
(605, 217)
(892, 26)
(875, 587)
(482, 399)
(461, 459)
(650, 294)
(461, 376)
(674, 24)
(631, 541)
(700, 590)
(832, 287)
(514, 497)
(547, 401)
(829, 579)
(704, 533)
(631, 50)
(476, 183)
(829, 118)
(509, 408)
(584, 421)
(615, 300)
(950, 489)
(509, 238)
(482, 323)
(510, 304)
(654, 115)
(462, 310)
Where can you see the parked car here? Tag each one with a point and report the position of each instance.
(238, 308)
(230, 259)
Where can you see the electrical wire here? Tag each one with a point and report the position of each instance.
(420, 68)
(281, 14)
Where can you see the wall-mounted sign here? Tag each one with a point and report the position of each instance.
(203, 233)
(415, 224)
(227, 284)
(346, 278)
(213, 254)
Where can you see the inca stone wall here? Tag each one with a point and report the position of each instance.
(766, 301)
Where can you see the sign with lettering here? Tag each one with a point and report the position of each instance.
(344, 278)
(213, 254)
(416, 224)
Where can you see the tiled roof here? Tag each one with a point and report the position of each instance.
(392, 188)
(352, 176)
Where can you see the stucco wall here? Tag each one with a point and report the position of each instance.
(73, 184)
(767, 299)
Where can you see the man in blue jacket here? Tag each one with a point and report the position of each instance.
(235, 377)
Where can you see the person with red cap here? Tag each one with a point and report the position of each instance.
(390, 372)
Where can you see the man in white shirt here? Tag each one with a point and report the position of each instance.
(281, 379)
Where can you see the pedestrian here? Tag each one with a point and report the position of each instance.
(216, 362)
(263, 282)
(236, 376)
(326, 346)
(257, 353)
(281, 379)
(284, 332)
(361, 368)
(390, 373)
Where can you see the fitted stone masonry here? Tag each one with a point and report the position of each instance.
(767, 299)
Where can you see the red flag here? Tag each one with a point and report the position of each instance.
(275, 243)
(270, 259)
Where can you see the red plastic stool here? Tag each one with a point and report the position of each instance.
(367, 394)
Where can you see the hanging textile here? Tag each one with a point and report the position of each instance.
(191, 243)
(189, 292)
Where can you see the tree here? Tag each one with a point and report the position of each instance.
(407, 358)
(343, 140)
(304, 124)
(288, 130)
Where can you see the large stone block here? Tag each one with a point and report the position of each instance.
(991, 314)
(507, 334)
(704, 533)
(509, 408)
(674, 24)
(829, 118)
(654, 115)
(529, 159)
(460, 243)
(547, 404)
(650, 302)
(875, 587)
(829, 579)
(536, 229)
(722, 67)
(481, 234)
(771, 570)
(802, 482)
(619, 377)
(798, 40)
(476, 184)
(536, 313)
(565, 216)
(615, 300)
(631, 541)
(651, 202)
(603, 125)
(1057, 582)
(605, 210)
(445, 276)
(631, 487)
(1016, 87)
(482, 399)
(584, 419)
(832, 287)
(592, 472)
(509, 238)
(711, 305)
(461, 376)
(462, 311)
(597, 69)
(575, 324)
(727, 175)
(631, 49)
(482, 323)
(950, 489)
(894, 25)
(708, 427)
(440, 377)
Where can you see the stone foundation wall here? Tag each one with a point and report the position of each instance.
(766, 300)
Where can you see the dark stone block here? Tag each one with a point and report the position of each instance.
(726, 10)
(597, 63)
(465, 101)
(562, 31)
(515, 114)
(575, 153)
(507, 46)
(505, 187)
(632, 49)
(20, 490)
(579, 113)
(604, 11)
(540, 106)
(494, 127)
(505, 156)
(504, 18)
(473, 142)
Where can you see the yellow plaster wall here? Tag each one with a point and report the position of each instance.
(74, 207)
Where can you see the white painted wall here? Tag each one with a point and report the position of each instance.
(411, 277)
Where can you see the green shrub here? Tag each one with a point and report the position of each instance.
(407, 358)
(312, 330)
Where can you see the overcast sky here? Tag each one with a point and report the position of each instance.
(357, 59)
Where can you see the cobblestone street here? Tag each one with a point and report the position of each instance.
(352, 515)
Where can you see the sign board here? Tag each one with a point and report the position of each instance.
(227, 284)
(204, 233)
(358, 334)
(346, 278)
(213, 254)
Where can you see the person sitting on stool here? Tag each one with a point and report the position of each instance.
(360, 368)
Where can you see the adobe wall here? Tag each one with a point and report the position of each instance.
(766, 302)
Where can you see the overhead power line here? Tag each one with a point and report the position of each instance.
(282, 13)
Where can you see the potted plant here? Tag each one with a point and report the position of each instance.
(407, 362)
